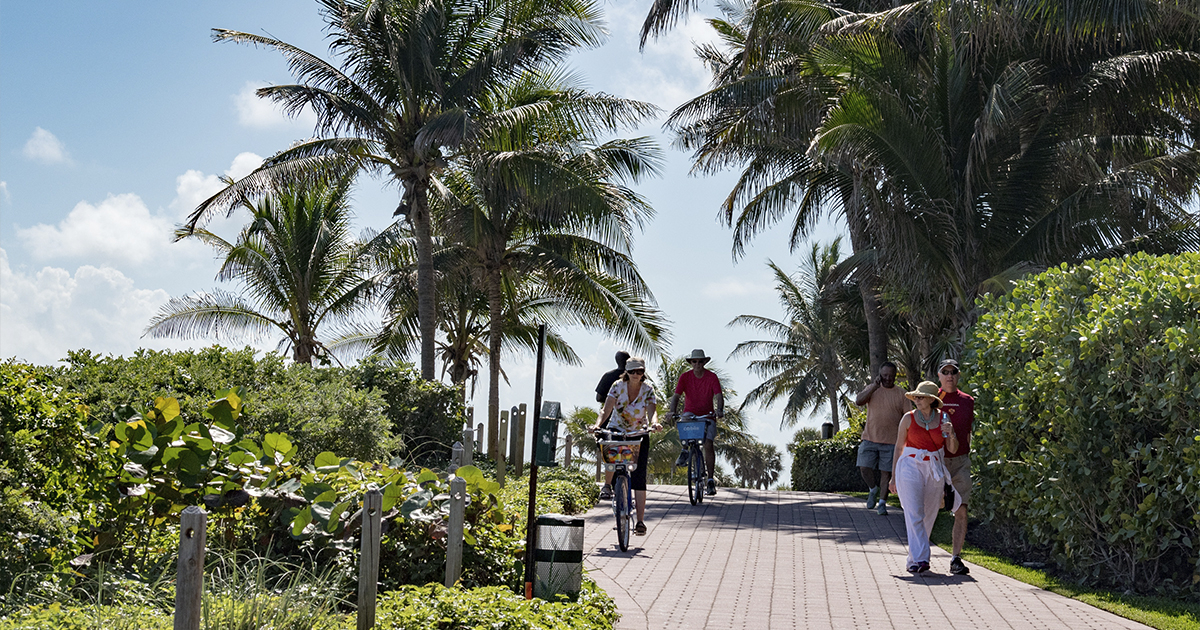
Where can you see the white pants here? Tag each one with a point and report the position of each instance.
(920, 479)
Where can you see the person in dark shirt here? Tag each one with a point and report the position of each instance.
(611, 376)
(606, 383)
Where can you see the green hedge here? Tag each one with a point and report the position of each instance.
(827, 465)
(1088, 418)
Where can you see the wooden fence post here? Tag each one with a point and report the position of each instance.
(454, 532)
(456, 456)
(479, 446)
(501, 448)
(468, 443)
(368, 559)
(189, 580)
(516, 439)
(567, 444)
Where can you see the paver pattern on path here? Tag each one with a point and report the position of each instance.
(766, 559)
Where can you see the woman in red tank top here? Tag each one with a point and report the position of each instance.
(918, 470)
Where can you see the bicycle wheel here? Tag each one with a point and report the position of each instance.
(696, 476)
(622, 508)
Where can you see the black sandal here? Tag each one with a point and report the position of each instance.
(640, 529)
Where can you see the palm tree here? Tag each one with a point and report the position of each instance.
(759, 466)
(301, 269)
(1031, 153)
(405, 95)
(805, 361)
(537, 209)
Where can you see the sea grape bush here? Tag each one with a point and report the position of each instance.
(1087, 434)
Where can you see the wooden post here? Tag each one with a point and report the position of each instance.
(567, 456)
(468, 444)
(479, 441)
(368, 559)
(456, 456)
(516, 440)
(454, 532)
(501, 447)
(189, 579)
(524, 432)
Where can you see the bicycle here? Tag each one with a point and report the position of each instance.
(620, 456)
(691, 434)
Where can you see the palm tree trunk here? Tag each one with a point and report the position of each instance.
(495, 329)
(877, 339)
(833, 409)
(418, 216)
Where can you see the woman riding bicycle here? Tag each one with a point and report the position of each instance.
(634, 405)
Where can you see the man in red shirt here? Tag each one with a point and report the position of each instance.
(961, 407)
(701, 390)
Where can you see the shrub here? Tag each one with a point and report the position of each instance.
(829, 465)
(428, 416)
(435, 606)
(319, 408)
(323, 409)
(51, 469)
(1088, 422)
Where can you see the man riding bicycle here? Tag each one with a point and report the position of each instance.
(701, 390)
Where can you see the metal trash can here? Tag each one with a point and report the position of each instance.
(559, 556)
(547, 437)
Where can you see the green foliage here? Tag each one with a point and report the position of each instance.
(169, 461)
(48, 464)
(189, 376)
(1088, 421)
(68, 617)
(560, 490)
(323, 409)
(320, 409)
(428, 416)
(435, 606)
(827, 465)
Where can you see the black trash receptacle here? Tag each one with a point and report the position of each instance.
(559, 556)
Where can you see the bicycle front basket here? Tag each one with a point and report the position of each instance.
(620, 452)
(691, 430)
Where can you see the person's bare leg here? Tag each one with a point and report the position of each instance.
(958, 535)
(868, 475)
(710, 458)
(639, 498)
(885, 478)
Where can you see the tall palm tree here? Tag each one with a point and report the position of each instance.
(1029, 153)
(405, 95)
(537, 205)
(301, 269)
(805, 362)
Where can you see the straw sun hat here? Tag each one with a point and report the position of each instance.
(927, 389)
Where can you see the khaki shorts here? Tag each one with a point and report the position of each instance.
(960, 475)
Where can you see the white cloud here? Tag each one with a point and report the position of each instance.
(261, 113)
(50, 311)
(119, 229)
(4, 192)
(44, 147)
(666, 73)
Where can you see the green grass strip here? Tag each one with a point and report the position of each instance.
(1163, 613)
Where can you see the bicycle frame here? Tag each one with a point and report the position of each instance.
(623, 500)
(697, 474)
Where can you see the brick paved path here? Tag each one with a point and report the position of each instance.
(764, 559)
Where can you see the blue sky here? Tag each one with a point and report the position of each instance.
(117, 118)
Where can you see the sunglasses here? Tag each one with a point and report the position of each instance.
(695, 361)
(949, 371)
(636, 371)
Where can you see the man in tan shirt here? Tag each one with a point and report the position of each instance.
(886, 405)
